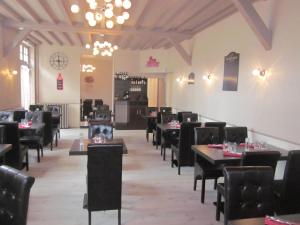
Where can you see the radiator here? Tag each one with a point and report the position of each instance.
(63, 110)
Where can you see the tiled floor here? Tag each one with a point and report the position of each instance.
(153, 193)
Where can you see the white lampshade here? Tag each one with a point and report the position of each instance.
(108, 13)
(126, 4)
(118, 3)
(109, 24)
(125, 15)
(93, 5)
(92, 22)
(107, 1)
(109, 54)
(75, 8)
(95, 51)
(103, 53)
(89, 15)
(111, 49)
(109, 45)
(120, 20)
(116, 47)
(110, 6)
(87, 46)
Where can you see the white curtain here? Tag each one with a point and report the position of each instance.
(152, 89)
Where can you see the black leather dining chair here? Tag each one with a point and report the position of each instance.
(287, 190)
(180, 115)
(193, 117)
(19, 115)
(100, 127)
(165, 109)
(182, 150)
(150, 122)
(236, 134)
(2, 133)
(167, 137)
(221, 126)
(104, 179)
(14, 196)
(248, 192)
(203, 169)
(6, 116)
(36, 107)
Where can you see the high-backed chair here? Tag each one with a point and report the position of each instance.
(6, 116)
(157, 131)
(248, 192)
(56, 114)
(104, 179)
(48, 129)
(288, 190)
(15, 190)
(35, 139)
(180, 115)
(15, 157)
(36, 107)
(236, 134)
(220, 126)
(182, 150)
(98, 102)
(167, 137)
(19, 115)
(165, 109)
(98, 127)
(103, 115)
(253, 158)
(203, 169)
(151, 121)
(193, 117)
(87, 107)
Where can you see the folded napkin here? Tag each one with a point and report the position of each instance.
(249, 145)
(232, 154)
(24, 126)
(269, 220)
(215, 146)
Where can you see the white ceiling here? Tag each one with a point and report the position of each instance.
(152, 23)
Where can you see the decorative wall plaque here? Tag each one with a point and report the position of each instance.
(231, 71)
(191, 78)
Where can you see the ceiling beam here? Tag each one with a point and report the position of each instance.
(63, 4)
(80, 39)
(143, 13)
(38, 33)
(20, 36)
(63, 27)
(30, 11)
(34, 39)
(49, 11)
(55, 37)
(182, 52)
(255, 22)
(5, 7)
(68, 38)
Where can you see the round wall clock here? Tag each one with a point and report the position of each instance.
(58, 61)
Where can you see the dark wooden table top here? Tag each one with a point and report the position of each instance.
(216, 156)
(166, 127)
(4, 148)
(260, 221)
(149, 116)
(77, 149)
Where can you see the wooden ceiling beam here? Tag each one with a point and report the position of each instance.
(55, 37)
(13, 13)
(38, 33)
(29, 10)
(19, 37)
(255, 22)
(182, 52)
(49, 11)
(34, 39)
(68, 38)
(63, 4)
(62, 27)
(143, 13)
(80, 39)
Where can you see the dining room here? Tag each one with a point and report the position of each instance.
(148, 111)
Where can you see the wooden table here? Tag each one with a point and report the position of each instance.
(216, 156)
(4, 148)
(77, 149)
(166, 127)
(260, 221)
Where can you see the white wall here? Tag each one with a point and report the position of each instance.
(267, 106)
(70, 94)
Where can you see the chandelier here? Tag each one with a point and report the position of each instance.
(112, 11)
(87, 68)
(104, 48)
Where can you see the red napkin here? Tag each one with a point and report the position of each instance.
(232, 154)
(244, 145)
(215, 146)
(24, 126)
(269, 220)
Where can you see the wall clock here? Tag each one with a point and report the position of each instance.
(58, 61)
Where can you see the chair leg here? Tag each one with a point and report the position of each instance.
(172, 158)
(215, 184)
(38, 154)
(178, 161)
(164, 151)
(147, 136)
(119, 216)
(203, 190)
(56, 139)
(218, 206)
(195, 184)
(90, 218)
(51, 145)
(42, 150)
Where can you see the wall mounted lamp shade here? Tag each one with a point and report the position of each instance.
(112, 11)
(207, 77)
(14, 72)
(181, 79)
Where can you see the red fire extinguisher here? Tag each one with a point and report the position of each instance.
(60, 82)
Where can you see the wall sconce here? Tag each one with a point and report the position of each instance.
(259, 72)
(87, 68)
(14, 72)
(207, 77)
(181, 79)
